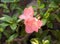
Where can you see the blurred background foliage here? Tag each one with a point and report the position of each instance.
(12, 29)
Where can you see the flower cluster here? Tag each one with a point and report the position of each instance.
(31, 23)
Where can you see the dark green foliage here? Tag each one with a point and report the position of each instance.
(13, 28)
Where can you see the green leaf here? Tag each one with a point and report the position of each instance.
(41, 6)
(1, 29)
(19, 20)
(12, 37)
(51, 17)
(45, 41)
(6, 18)
(13, 26)
(57, 18)
(6, 11)
(44, 21)
(50, 25)
(4, 6)
(15, 17)
(14, 6)
(34, 41)
(53, 5)
(19, 11)
(7, 1)
(46, 15)
(4, 24)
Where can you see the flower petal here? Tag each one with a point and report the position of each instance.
(28, 13)
(28, 29)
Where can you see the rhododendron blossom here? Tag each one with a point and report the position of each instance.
(31, 23)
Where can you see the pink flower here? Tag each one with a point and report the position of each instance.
(28, 13)
(32, 25)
